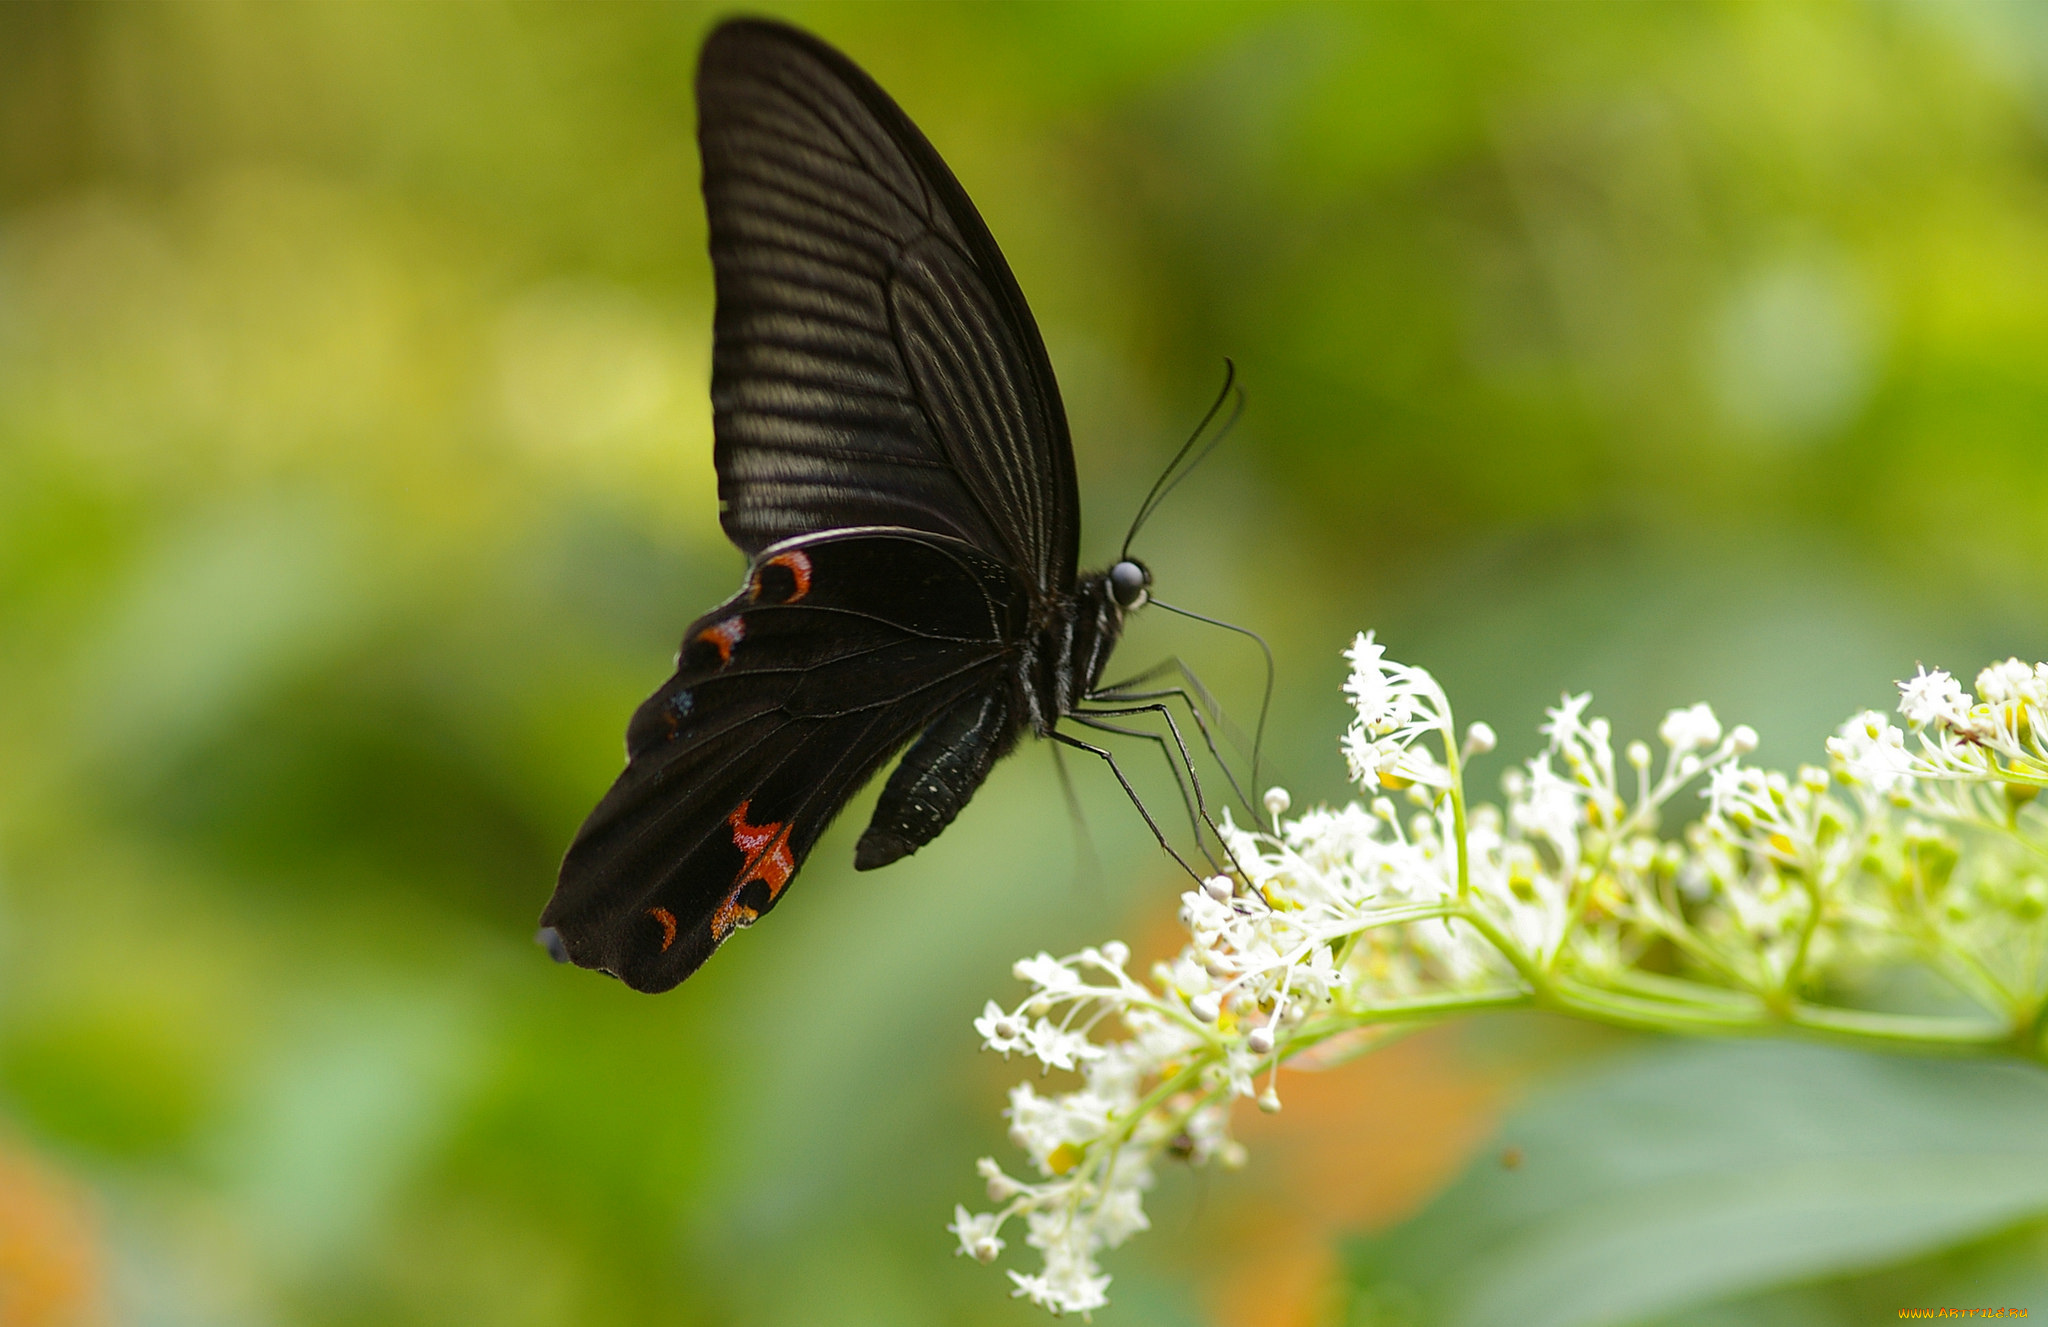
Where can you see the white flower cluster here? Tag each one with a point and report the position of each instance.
(1345, 926)
(1993, 737)
(1092, 1148)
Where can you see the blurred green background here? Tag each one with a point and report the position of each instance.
(355, 485)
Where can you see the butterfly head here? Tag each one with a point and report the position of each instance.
(1130, 584)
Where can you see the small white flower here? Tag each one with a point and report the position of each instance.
(1931, 698)
(2009, 682)
(1691, 729)
(1047, 973)
(1728, 790)
(1371, 693)
(1565, 719)
(1548, 807)
(999, 1029)
(1041, 1290)
(977, 1232)
(1001, 1188)
(1057, 1047)
(1041, 1125)
(1120, 1215)
(1873, 752)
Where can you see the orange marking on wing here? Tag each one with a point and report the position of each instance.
(731, 913)
(799, 564)
(725, 635)
(767, 849)
(769, 860)
(668, 926)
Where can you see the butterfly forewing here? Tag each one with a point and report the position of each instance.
(892, 454)
(785, 700)
(874, 360)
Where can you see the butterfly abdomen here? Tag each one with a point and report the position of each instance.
(936, 777)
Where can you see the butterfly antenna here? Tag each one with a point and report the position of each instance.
(1236, 412)
(1160, 486)
(1266, 701)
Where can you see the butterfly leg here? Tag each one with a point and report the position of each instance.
(1197, 814)
(1090, 862)
(1132, 793)
(1202, 725)
(1187, 763)
(1202, 709)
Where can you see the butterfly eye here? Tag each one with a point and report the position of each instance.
(1128, 582)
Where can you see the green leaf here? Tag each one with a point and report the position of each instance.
(1694, 1174)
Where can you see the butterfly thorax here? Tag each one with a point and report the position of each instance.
(1070, 646)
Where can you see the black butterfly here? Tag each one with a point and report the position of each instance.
(893, 455)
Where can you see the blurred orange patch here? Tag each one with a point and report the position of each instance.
(52, 1272)
(1355, 1148)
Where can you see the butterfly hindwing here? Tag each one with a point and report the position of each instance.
(786, 698)
(874, 362)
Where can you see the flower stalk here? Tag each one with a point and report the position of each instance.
(1772, 913)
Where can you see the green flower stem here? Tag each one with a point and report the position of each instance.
(1689, 1009)
(1525, 967)
(1657, 986)
(1810, 876)
(1422, 1008)
(1453, 763)
(1575, 907)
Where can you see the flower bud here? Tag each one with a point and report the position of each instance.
(1480, 739)
(1220, 887)
(1743, 739)
(1639, 754)
(1260, 1040)
(1116, 953)
(1269, 1101)
(1277, 802)
(1205, 1007)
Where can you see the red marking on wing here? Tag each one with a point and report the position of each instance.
(799, 564)
(668, 926)
(724, 636)
(769, 860)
